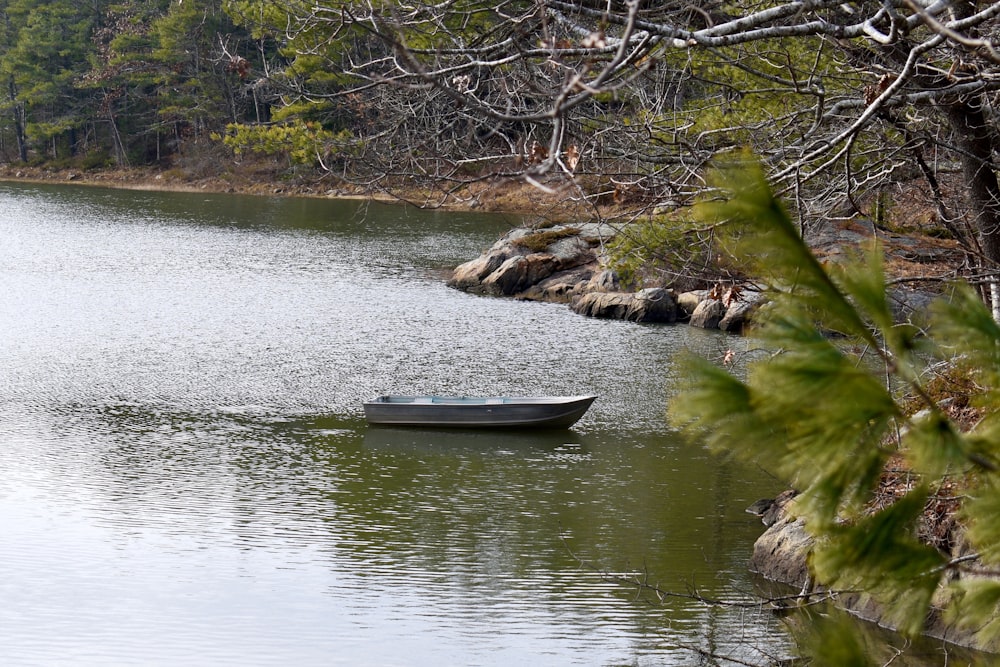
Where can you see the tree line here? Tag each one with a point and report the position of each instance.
(602, 101)
(120, 84)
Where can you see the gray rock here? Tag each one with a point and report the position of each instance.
(508, 268)
(603, 281)
(562, 286)
(781, 553)
(910, 305)
(757, 508)
(605, 305)
(596, 233)
(519, 273)
(708, 314)
(470, 275)
(654, 304)
(572, 251)
(688, 301)
(740, 311)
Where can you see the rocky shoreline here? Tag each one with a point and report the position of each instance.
(781, 554)
(564, 264)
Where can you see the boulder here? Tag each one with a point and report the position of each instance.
(605, 280)
(708, 314)
(470, 275)
(562, 286)
(688, 301)
(606, 305)
(771, 509)
(572, 251)
(654, 304)
(781, 552)
(517, 263)
(518, 273)
(910, 304)
(739, 312)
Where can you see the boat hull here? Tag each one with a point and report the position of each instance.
(474, 412)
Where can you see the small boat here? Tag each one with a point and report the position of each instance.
(478, 412)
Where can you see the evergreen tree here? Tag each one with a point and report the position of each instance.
(196, 80)
(164, 73)
(12, 106)
(843, 391)
(123, 78)
(47, 50)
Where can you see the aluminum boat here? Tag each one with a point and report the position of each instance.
(478, 412)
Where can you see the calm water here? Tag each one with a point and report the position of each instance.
(187, 477)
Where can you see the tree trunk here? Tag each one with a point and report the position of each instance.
(22, 141)
(975, 138)
(121, 157)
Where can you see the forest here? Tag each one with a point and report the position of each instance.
(878, 110)
(882, 110)
(624, 101)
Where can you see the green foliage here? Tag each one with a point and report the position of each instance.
(667, 242)
(638, 246)
(770, 243)
(314, 54)
(43, 50)
(743, 88)
(977, 604)
(969, 333)
(830, 641)
(190, 83)
(102, 76)
(303, 111)
(884, 559)
(827, 418)
(302, 143)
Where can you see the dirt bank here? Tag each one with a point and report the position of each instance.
(492, 195)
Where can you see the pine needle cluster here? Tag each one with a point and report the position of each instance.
(843, 392)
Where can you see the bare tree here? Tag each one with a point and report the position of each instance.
(841, 100)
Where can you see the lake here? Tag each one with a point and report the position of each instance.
(188, 478)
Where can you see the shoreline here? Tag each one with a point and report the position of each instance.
(524, 200)
(498, 195)
(907, 255)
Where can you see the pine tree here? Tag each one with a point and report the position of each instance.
(46, 50)
(194, 84)
(841, 391)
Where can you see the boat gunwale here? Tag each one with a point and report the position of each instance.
(437, 399)
(478, 412)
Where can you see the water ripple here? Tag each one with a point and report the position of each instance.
(188, 478)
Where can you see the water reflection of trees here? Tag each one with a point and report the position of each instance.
(448, 511)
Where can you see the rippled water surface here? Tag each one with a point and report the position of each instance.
(187, 477)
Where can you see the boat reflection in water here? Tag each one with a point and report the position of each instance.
(452, 441)
(478, 412)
